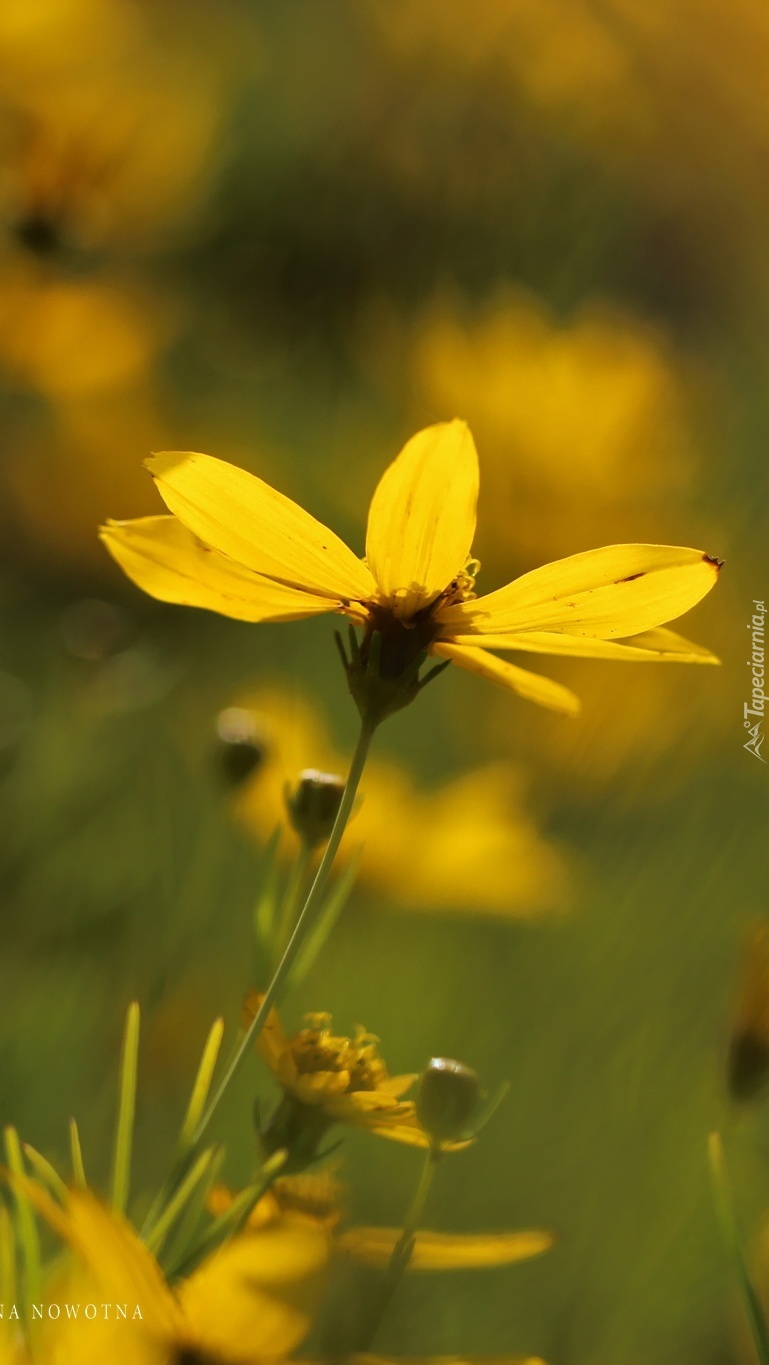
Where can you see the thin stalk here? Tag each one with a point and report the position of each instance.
(76, 1155)
(402, 1251)
(292, 898)
(26, 1227)
(303, 924)
(124, 1127)
(727, 1221)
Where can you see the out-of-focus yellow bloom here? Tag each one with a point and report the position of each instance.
(469, 844)
(623, 77)
(64, 465)
(251, 1299)
(108, 125)
(73, 338)
(582, 57)
(234, 545)
(314, 1194)
(445, 1250)
(580, 421)
(343, 1078)
(748, 1060)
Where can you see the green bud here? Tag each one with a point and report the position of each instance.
(448, 1096)
(240, 746)
(314, 803)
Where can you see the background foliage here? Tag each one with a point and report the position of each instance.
(289, 236)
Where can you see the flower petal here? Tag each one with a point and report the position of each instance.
(398, 1085)
(113, 1254)
(532, 686)
(167, 561)
(618, 590)
(321, 1087)
(445, 1250)
(422, 516)
(243, 517)
(654, 645)
(255, 1297)
(271, 1043)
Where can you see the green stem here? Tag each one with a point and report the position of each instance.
(402, 1251)
(292, 898)
(303, 924)
(727, 1221)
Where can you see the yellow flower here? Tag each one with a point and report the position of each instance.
(236, 546)
(341, 1080)
(469, 844)
(252, 1298)
(445, 1250)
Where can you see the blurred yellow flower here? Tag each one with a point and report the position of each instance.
(71, 338)
(445, 1250)
(234, 545)
(252, 1298)
(108, 123)
(580, 420)
(469, 844)
(345, 1079)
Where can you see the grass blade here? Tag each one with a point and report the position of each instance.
(202, 1083)
(730, 1233)
(175, 1206)
(76, 1156)
(29, 1241)
(45, 1171)
(124, 1128)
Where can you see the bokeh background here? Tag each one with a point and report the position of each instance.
(290, 235)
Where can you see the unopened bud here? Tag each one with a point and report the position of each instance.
(448, 1096)
(240, 747)
(747, 1071)
(314, 804)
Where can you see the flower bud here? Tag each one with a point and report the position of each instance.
(448, 1096)
(240, 747)
(314, 803)
(747, 1070)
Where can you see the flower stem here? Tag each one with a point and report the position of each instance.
(303, 924)
(297, 882)
(402, 1251)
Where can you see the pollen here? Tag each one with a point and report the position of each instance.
(316, 1048)
(462, 588)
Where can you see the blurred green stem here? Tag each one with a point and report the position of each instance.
(303, 924)
(402, 1251)
(292, 899)
(727, 1221)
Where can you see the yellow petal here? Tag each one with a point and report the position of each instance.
(532, 686)
(422, 516)
(271, 1043)
(112, 1252)
(243, 517)
(408, 1130)
(615, 591)
(255, 1297)
(652, 645)
(167, 561)
(321, 1087)
(361, 1106)
(398, 1085)
(444, 1250)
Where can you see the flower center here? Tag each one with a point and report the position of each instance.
(316, 1048)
